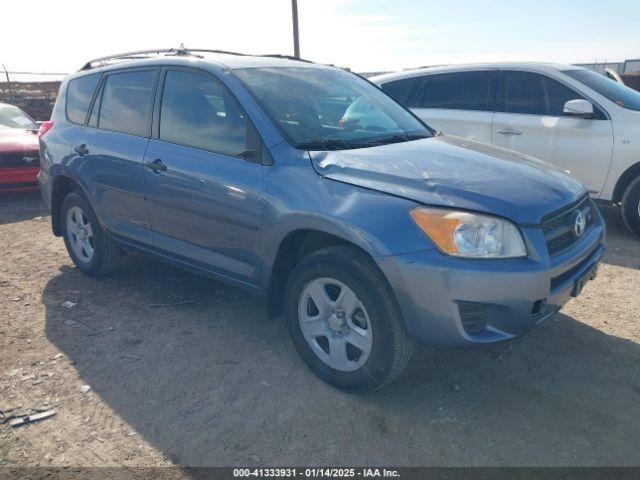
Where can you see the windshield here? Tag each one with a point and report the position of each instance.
(13, 117)
(619, 94)
(330, 109)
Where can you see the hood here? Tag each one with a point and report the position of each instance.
(18, 140)
(454, 172)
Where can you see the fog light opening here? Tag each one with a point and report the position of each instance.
(539, 306)
(473, 317)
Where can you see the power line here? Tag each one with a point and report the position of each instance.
(36, 73)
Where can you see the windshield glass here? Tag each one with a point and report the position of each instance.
(13, 117)
(621, 95)
(330, 109)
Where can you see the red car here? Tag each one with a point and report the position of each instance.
(19, 150)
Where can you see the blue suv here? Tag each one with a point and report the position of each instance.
(370, 235)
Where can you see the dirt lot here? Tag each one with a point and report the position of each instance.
(216, 383)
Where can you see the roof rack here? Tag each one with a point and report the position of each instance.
(178, 52)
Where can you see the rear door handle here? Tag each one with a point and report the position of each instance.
(157, 166)
(509, 131)
(81, 150)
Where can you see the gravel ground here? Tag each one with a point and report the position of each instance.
(216, 383)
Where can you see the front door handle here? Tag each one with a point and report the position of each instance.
(509, 131)
(157, 166)
(81, 150)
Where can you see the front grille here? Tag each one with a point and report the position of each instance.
(559, 228)
(19, 159)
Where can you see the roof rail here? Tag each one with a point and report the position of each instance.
(182, 51)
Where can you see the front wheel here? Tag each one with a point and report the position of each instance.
(631, 206)
(344, 320)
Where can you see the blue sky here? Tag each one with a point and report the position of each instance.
(454, 31)
(366, 35)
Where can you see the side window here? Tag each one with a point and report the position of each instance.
(403, 91)
(198, 111)
(537, 94)
(79, 94)
(524, 93)
(557, 95)
(126, 102)
(459, 91)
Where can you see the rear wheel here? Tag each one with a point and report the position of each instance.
(344, 320)
(89, 246)
(631, 206)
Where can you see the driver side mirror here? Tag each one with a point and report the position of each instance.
(578, 108)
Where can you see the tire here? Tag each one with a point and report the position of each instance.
(96, 253)
(631, 206)
(372, 320)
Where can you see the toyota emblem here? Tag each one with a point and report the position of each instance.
(580, 224)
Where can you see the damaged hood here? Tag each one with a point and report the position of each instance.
(454, 172)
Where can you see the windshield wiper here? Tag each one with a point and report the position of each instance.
(397, 138)
(328, 144)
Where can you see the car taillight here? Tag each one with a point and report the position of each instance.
(44, 128)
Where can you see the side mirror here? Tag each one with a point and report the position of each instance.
(578, 108)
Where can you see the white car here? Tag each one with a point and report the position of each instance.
(572, 117)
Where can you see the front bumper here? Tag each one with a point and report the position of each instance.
(514, 294)
(18, 179)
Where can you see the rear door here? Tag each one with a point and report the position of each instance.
(530, 120)
(458, 103)
(110, 150)
(203, 175)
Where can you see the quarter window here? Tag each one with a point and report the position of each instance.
(79, 94)
(459, 91)
(126, 102)
(198, 111)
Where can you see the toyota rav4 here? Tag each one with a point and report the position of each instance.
(370, 236)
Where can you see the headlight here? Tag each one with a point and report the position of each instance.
(470, 235)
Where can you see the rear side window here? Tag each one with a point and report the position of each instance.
(126, 102)
(403, 91)
(198, 111)
(79, 94)
(458, 91)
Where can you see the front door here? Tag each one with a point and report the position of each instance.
(530, 120)
(203, 189)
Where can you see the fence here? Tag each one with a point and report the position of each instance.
(34, 92)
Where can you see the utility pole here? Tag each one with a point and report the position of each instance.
(8, 83)
(296, 41)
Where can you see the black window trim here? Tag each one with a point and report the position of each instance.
(253, 141)
(96, 101)
(499, 93)
(427, 77)
(93, 96)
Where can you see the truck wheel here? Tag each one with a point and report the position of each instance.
(344, 320)
(90, 248)
(631, 206)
